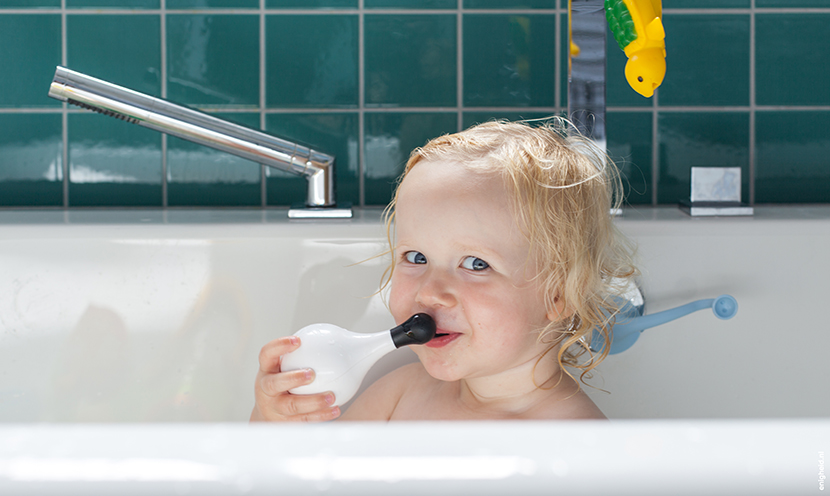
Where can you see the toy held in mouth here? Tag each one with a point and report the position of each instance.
(340, 358)
(638, 29)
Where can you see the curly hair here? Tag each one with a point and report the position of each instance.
(562, 189)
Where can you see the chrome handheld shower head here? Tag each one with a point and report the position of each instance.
(160, 115)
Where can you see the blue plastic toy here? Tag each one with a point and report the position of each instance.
(631, 322)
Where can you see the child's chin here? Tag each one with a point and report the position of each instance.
(439, 371)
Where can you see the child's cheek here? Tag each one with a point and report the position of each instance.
(401, 298)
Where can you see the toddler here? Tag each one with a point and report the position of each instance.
(501, 233)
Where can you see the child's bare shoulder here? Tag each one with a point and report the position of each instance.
(569, 402)
(578, 406)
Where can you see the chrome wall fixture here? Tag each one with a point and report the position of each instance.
(160, 115)
(586, 75)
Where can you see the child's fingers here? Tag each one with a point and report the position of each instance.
(276, 384)
(320, 415)
(298, 408)
(274, 402)
(269, 355)
(304, 406)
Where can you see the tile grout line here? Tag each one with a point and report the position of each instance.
(64, 114)
(557, 58)
(752, 156)
(655, 147)
(323, 12)
(750, 10)
(164, 165)
(263, 179)
(394, 11)
(459, 65)
(435, 110)
(361, 104)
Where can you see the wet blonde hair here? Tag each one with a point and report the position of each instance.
(562, 188)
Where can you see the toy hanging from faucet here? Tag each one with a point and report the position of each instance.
(638, 29)
(630, 321)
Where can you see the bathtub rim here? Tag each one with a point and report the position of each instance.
(631, 214)
(580, 457)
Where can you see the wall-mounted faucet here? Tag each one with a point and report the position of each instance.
(163, 116)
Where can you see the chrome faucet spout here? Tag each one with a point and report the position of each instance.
(166, 117)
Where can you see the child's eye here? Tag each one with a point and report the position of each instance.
(415, 257)
(474, 263)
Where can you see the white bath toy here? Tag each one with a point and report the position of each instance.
(340, 358)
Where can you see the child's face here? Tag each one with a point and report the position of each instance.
(461, 258)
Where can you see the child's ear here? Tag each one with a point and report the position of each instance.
(558, 308)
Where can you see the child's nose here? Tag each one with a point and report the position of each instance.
(436, 290)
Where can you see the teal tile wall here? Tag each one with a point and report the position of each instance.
(410, 60)
(311, 61)
(507, 60)
(201, 48)
(368, 80)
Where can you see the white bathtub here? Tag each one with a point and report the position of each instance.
(153, 317)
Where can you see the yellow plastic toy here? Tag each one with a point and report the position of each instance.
(574, 48)
(637, 27)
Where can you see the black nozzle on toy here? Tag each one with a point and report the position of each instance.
(419, 329)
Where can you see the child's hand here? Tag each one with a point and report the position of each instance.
(274, 402)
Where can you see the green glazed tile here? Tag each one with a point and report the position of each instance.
(789, 59)
(707, 4)
(332, 133)
(707, 60)
(502, 4)
(410, 4)
(390, 137)
(792, 4)
(113, 163)
(120, 4)
(17, 4)
(629, 146)
(410, 60)
(311, 4)
(201, 176)
(31, 51)
(31, 158)
(207, 4)
(715, 139)
(791, 157)
(311, 71)
(509, 60)
(122, 49)
(213, 60)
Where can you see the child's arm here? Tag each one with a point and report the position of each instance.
(274, 402)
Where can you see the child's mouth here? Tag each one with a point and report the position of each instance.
(442, 339)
